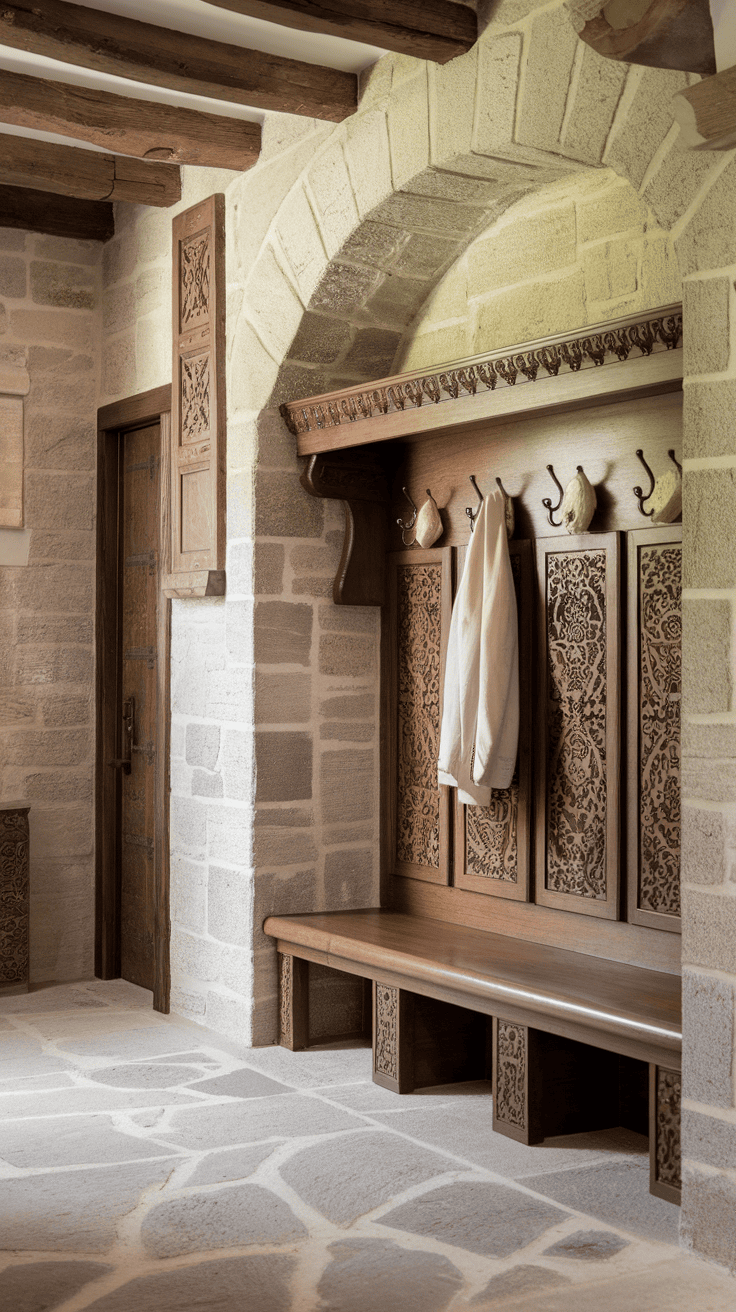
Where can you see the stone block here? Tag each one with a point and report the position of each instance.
(205, 784)
(69, 286)
(348, 786)
(611, 270)
(119, 365)
(427, 215)
(188, 827)
(595, 99)
(56, 588)
(408, 129)
(239, 628)
(367, 140)
(350, 880)
(12, 239)
(349, 731)
(231, 1016)
(528, 245)
(120, 255)
(240, 503)
(283, 633)
(188, 894)
(319, 340)
(187, 1003)
(644, 128)
(300, 240)
(153, 291)
(203, 745)
(44, 665)
(283, 766)
(707, 419)
(660, 281)
(343, 290)
(152, 354)
(67, 250)
(707, 240)
(312, 586)
(229, 905)
(709, 529)
(284, 509)
(278, 844)
(282, 698)
(119, 308)
(618, 209)
(59, 500)
(427, 350)
(67, 785)
(374, 245)
(238, 763)
(60, 381)
(330, 185)
(707, 1042)
(707, 663)
(709, 931)
(60, 832)
(498, 76)
(249, 388)
(323, 558)
(709, 781)
(341, 654)
(293, 892)
(55, 628)
(62, 327)
(59, 441)
(706, 318)
(69, 545)
(703, 846)
(544, 88)
(397, 300)
(67, 711)
(230, 834)
(359, 706)
(13, 277)
(522, 314)
(273, 305)
(709, 740)
(372, 352)
(708, 1221)
(47, 747)
(452, 89)
(681, 175)
(297, 380)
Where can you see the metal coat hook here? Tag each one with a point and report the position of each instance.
(640, 495)
(675, 461)
(547, 501)
(406, 528)
(473, 514)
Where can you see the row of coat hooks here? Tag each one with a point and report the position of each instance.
(577, 503)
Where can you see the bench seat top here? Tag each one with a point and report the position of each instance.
(565, 992)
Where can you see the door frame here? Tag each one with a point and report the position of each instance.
(113, 421)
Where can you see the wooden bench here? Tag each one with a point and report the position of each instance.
(569, 1035)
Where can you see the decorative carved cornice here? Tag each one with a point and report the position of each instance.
(604, 344)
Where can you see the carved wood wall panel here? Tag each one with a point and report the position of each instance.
(665, 1098)
(421, 583)
(14, 898)
(492, 851)
(510, 1074)
(198, 398)
(655, 681)
(577, 814)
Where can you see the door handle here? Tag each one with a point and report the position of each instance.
(124, 763)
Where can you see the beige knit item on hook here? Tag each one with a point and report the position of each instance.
(429, 526)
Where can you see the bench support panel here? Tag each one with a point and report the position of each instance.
(419, 1041)
(293, 1002)
(665, 1094)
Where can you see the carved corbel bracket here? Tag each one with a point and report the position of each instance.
(360, 482)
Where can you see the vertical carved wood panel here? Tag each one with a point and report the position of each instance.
(393, 1037)
(510, 1074)
(293, 1002)
(198, 394)
(420, 608)
(492, 849)
(578, 768)
(665, 1097)
(14, 898)
(655, 683)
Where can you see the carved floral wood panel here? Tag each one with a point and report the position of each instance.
(668, 1100)
(510, 1075)
(419, 624)
(196, 260)
(14, 896)
(286, 991)
(386, 1046)
(660, 675)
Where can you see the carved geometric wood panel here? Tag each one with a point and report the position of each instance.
(14, 898)
(198, 394)
(578, 766)
(492, 847)
(655, 676)
(420, 612)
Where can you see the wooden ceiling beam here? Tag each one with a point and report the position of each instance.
(161, 57)
(706, 112)
(86, 174)
(428, 29)
(57, 216)
(145, 128)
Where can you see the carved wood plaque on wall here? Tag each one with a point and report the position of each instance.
(198, 394)
(492, 849)
(655, 681)
(578, 766)
(420, 606)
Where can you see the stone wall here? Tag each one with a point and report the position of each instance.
(49, 308)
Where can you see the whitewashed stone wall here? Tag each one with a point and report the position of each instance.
(49, 316)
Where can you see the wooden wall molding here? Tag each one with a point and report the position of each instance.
(403, 405)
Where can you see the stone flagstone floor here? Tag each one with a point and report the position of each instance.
(147, 1164)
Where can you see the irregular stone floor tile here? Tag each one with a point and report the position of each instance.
(367, 1275)
(145, 1075)
(73, 1211)
(370, 1097)
(230, 1164)
(51, 997)
(77, 1100)
(220, 1218)
(491, 1219)
(238, 1284)
(344, 1178)
(616, 1192)
(680, 1284)
(71, 1141)
(588, 1245)
(258, 1118)
(33, 1083)
(42, 1286)
(151, 1041)
(316, 1068)
(241, 1084)
(523, 1279)
(203, 1058)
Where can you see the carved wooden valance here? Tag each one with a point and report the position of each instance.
(629, 356)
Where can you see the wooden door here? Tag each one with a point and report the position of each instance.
(139, 568)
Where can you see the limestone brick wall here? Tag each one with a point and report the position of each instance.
(49, 307)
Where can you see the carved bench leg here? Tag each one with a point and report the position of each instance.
(420, 1041)
(393, 1038)
(293, 1002)
(517, 1088)
(665, 1093)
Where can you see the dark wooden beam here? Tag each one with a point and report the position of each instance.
(428, 29)
(135, 127)
(58, 216)
(664, 34)
(110, 43)
(86, 174)
(706, 112)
